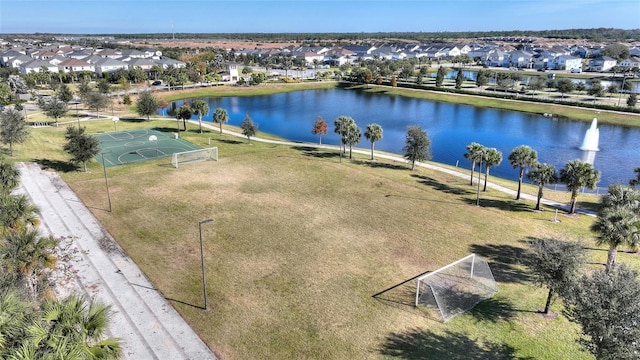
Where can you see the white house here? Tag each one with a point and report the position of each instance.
(628, 64)
(109, 65)
(75, 65)
(603, 63)
(37, 66)
(567, 62)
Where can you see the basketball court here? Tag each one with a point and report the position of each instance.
(125, 147)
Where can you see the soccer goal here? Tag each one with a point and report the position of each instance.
(187, 157)
(457, 287)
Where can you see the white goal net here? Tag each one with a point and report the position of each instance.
(187, 157)
(457, 287)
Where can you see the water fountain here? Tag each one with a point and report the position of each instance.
(591, 137)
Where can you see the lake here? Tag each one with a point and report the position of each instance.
(451, 127)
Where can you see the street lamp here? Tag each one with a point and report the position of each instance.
(204, 280)
(115, 123)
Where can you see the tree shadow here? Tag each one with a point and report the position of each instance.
(57, 165)
(505, 205)
(503, 261)
(418, 344)
(231, 142)
(316, 153)
(381, 165)
(440, 186)
(165, 129)
(494, 310)
(132, 119)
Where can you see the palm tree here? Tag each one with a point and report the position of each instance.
(618, 222)
(542, 174)
(9, 176)
(26, 255)
(72, 329)
(17, 212)
(474, 154)
(15, 320)
(577, 174)
(200, 108)
(220, 116)
(341, 125)
(521, 157)
(373, 133)
(183, 113)
(492, 157)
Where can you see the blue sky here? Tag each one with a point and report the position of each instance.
(240, 16)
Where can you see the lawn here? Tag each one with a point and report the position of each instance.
(308, 258)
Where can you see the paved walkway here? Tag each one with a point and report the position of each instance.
(147, 324)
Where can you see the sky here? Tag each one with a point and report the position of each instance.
(311, 16)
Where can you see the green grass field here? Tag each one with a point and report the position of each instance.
(308, 258)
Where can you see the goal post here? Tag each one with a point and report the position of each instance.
(187, 157)
(457, 287)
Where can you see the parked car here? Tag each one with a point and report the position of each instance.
(156, 83)
(576, 70)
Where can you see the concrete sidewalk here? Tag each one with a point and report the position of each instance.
(141, 317)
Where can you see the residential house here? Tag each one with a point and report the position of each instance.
(567, 62)
(603, 63)
(630, 63)
(165, 62)
(75, 65)
(498, 58)
(36, 65)
(521, 59)
(8, 55)
(144, 64)
(109, 65)
(339, 56)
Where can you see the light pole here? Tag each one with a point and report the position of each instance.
(106, 182)
(204, 280)
(115, 123)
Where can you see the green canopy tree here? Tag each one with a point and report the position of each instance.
(492, 157)
(147, 104)
(319, 127)
(577, 174)
(474, 154)
(565, 86)
(618, 221)
(417, 145)
(96, 101)
(542, 174)
(64, 93)
(13, 128)
(554, 264)
(200, 108)
(459, 79)
(442, 72)
(521, 157)
(53, 107)
(249, 128)
(373, 133)
(605, 305)
(220, 116)
(82, 147)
